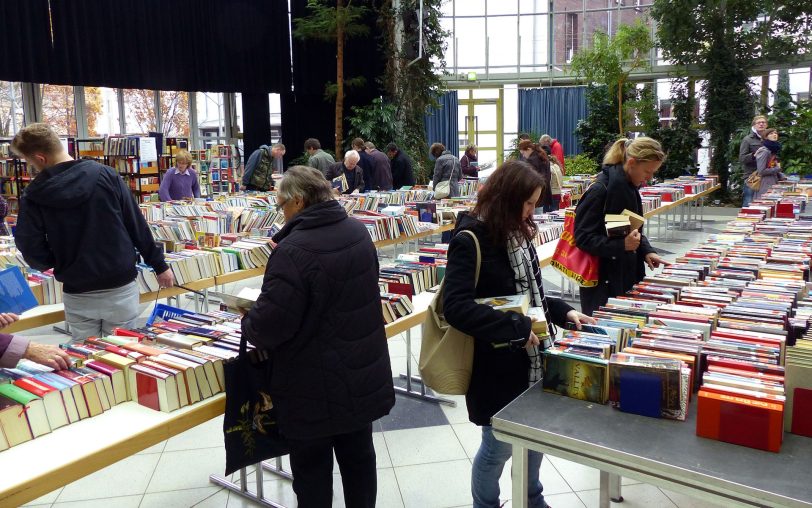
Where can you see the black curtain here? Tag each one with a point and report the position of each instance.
(305, 111)
(256, 121)
(192, 45)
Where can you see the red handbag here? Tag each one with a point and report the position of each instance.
(572, 261)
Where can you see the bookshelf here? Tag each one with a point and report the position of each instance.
(224, 168)
(201, 160)
(170, 148)
(136, 160)
(91, 149)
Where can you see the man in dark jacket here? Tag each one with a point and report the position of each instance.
(319, 315)
(381, 169)
(402, 173)
(79, 218)
(350, 169)
(366, 164)
(747, 154)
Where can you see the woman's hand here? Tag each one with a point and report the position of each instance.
(532, 341)
(654, 261)
(580, 319)
(632, 241)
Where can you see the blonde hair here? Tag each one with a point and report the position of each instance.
(758, 118)
(183, 156)
(36, 138)
(640, 149)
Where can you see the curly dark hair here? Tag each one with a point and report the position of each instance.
(501, 200)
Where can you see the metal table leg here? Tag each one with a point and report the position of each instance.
(519, 477)
(408, 391)
(242, 489)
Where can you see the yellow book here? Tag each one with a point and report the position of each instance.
(515, 303)
(636, 221)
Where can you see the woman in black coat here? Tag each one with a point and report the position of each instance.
(506, 351)
(627, 165)
(535, 155)
(319, 315)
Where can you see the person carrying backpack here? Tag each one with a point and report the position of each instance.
(261, 166)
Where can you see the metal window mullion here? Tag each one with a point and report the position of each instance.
(159, 121)
(80, 109)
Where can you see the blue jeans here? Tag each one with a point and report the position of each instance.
(488, 465)
(747, 194)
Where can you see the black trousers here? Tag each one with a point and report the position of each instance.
(311, 462)
(594, 297)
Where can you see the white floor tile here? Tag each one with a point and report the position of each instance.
(441, 484)
(388, 490)
(188, 469)
(110, 502)
(421, 446)
(187, 497)
(382, 459)
(470, 436)
(124, 478)
(218, 500)
(458, 413)
(578, 477)
(568, 500)
(686, 501)
(205, 435)
(634, 496)
(552, 482)
(47, 499)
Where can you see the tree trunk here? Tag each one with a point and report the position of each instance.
(620, 106)
(339, 78)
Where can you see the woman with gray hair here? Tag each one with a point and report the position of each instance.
(319, 315)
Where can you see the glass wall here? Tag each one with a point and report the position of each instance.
(59, 108)
(175, 113)
(11, 108)
(139, 111)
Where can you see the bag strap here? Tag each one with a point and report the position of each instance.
(478, 255)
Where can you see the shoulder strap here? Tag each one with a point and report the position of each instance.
(478, 255)
(604, 188)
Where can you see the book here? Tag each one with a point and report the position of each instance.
(740, 420)
(13, 422)
(65, 391)
(116, 375)
(154, 389)
(15, 293)
(89, 390)
(576, 377)
(514, 303)
(34, 408)
(636, 221)
(51, 397)
(617, 225)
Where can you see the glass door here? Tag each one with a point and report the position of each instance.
(480, 123)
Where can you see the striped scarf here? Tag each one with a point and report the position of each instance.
(527, 277)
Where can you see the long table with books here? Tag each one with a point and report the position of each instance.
(662, 452)
(72, 452)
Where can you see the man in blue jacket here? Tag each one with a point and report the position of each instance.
(80, 218)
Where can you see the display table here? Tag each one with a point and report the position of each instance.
(664, 453)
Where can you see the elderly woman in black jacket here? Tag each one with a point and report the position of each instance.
(506, 351)
(319, 315)
(627, 165)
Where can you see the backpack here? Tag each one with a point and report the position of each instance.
(259, 169)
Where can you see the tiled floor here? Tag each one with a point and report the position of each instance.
(424, 453)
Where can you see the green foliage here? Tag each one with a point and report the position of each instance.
(610, 61)
(414, 87)
(736, 180)
(376, 122)
(581, 164)
(796, 152)
(726, 40)
(648, 114)
(681, 139)
(324, 18)
(782, 116)
(514, 144)
(598, 129)
(331, 88)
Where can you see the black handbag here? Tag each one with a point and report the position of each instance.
(249, 426)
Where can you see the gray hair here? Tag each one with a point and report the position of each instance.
(279, 146)
(370, 145)
(352, 155)
(545, 140)
(306, 183)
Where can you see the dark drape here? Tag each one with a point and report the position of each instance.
(442, 124)
(554, 111)
(305, 111)
(193, 45)
(256, 114)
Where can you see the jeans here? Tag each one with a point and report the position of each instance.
(96, 313)
(488, 465)
(311, 462)
(747, 195)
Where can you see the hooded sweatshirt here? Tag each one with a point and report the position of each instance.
(79, 218)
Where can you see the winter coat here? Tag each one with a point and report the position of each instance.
(543, 169)
(321, 160)
(80, 218)
(768, 169)
(355, 178)
(468, 169)
(558, 150)
(319, 314)
(747, 152)
(619, 270)
(381, 169)
(447, 166)
(499, 375)
(402, 172)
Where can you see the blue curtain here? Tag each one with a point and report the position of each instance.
(554, 111)
(441, 123)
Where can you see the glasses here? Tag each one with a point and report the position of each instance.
(280, 205)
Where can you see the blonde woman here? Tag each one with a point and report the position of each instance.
(180, 182)
(626, 166)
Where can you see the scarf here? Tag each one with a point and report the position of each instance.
(773, 146)
(527, 275)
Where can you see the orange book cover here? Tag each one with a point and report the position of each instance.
(739, 420)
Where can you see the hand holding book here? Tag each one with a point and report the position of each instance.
(579, 319)
(166, 279)
(632, 241)
(7, 318)
(50, 356)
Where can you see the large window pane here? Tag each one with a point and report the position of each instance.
(59, 109)
(534, 33)
(211, 121)
(447, 24)
(139, 111)
(471, 42)
(101, 107)
(470, 7)
(11, 108)
(502, 7)
(175, 113)
(502, 42)
(275, 106)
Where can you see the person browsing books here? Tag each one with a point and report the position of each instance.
(80, 218)
(15, 347)
(506, 351)
(767, 165)
(402, 171)
(181, 181)
(317, 158)
(446, 167)
(351, 170)
(319, 316)
(626, 166)
(535, 155)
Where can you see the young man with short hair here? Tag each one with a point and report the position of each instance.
(402, 172)
(80, 218)
(319, 159)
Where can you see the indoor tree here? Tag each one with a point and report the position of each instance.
(680, 139)
(610, 61)
(334, 21)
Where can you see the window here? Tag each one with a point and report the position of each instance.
(59, 109)
(175, 113)
(139, 111)
(11, 108)
(571, 36)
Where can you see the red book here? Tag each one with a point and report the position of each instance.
(802, 412)
(31, 385)
(740, 420)
(123, 332)
(146, 390)
(746, 365)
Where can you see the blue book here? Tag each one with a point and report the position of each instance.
(15, 294)
(641, 393)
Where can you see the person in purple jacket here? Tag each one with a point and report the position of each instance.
(15, 347)
(180, 182)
